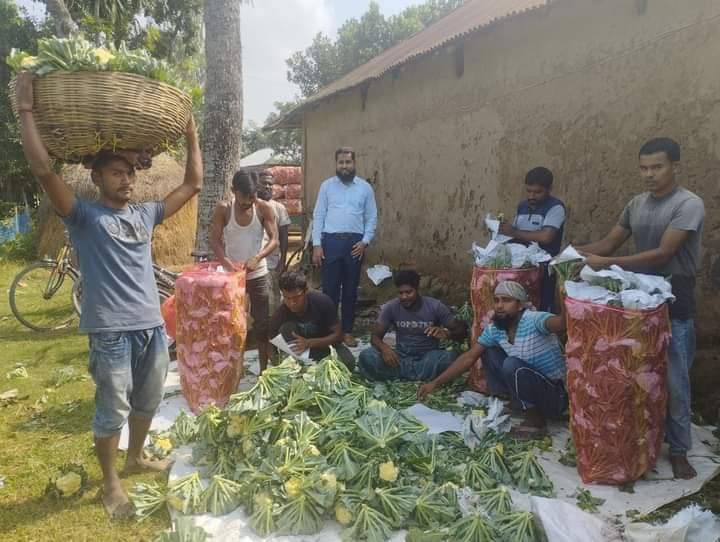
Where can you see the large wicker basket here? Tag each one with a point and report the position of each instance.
(81, 113)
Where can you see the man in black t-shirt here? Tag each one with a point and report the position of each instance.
(308, 320)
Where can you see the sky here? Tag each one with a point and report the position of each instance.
(271, 31)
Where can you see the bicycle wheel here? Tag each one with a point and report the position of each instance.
(41, 299)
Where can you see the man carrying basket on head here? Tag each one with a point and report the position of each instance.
(128, 356)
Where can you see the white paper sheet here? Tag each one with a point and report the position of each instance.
(436, 420)
(283, 346)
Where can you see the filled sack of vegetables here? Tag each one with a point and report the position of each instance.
(89, 99)
(293, 206)
(482, 292)
(616, 380)
(284, 175)
(210, 333)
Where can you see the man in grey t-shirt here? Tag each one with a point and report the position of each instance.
(120, 304)
(666, 224)
(420, 323)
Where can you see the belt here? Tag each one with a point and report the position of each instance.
(342, 235)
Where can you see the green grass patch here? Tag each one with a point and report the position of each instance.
(46, 428)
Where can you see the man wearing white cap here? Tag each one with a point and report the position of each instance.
(521, 357)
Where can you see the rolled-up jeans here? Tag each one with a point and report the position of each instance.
(680, 360)
(129, 370)
(412, 365)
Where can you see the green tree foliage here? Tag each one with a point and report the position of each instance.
(16, 31)
(285, 143)
(359, 40)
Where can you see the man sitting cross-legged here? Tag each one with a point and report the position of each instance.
(308, 320)
(420, 322)
(521, 357)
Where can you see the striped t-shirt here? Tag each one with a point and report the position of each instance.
(534, 344)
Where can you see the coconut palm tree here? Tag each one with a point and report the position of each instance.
(222, 125)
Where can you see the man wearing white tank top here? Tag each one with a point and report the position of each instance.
(238, 237)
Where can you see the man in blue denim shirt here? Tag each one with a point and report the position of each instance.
(420, 323)
(344, 221)
(666, 224)
(120, 304)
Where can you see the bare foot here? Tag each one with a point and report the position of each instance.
(681, 468)
(116, 502)
(134, 466)
(532, 427)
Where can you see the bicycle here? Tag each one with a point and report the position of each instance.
(42, 300)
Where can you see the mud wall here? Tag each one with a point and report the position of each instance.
(577, 86)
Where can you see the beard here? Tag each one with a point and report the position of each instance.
(503, 322)
(345, 177)
(265, 194)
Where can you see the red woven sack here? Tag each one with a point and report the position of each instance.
(616, 379)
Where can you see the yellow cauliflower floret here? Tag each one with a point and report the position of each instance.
(343, 515)
(293, 487)
(388, 471)
(103, 56)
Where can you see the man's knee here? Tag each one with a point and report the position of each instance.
(510, 367)
(369, 360)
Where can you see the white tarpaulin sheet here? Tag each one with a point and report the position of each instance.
(649, 494)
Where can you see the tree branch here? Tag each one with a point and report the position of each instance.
(64, 24)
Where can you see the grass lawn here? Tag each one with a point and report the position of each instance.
(47, 429)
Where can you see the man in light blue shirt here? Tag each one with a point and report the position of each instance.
(344, 222)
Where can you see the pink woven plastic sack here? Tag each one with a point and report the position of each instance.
(293, 206)
(616, 379)
(286, 174)
(482, 293)
(293, 191)
(211, 332)
(278, 191)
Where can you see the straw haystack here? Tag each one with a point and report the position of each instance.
(173, 241)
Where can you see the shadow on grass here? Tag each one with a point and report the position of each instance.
(73, 417)
(21, 334)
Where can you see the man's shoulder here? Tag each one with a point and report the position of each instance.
(554, 202)
(319, 298)
(434, 303)
(683, 195)
(362, 182)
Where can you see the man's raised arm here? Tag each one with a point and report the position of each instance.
(61, 197)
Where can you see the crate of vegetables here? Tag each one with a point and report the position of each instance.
(211, 329)
(89, 99)
(617, 354)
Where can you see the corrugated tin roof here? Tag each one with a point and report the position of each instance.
(470, 17)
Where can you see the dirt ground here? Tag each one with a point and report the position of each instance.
(705, 382)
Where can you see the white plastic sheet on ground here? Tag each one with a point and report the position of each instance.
(560, 515)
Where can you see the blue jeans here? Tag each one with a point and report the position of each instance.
(129, 370)
(528, 387)
(680, 360)
(412, 366)
(341, 275)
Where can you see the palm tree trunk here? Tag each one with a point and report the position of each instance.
(222, 125)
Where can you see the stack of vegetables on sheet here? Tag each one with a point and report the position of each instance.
(307, 446)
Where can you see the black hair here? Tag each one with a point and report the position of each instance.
(345, 150)
(245, 182)
(407, 277)
(103, 158)
(540, 176)
(292, 280)
(662, 144)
